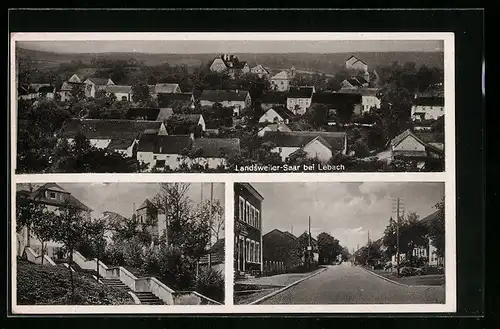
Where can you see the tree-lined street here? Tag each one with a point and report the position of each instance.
(346, 284)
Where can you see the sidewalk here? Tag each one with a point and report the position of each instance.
(417, 280)
(279, 280)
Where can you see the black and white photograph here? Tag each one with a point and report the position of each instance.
(119, 244)
(192, 104)
(339, 243)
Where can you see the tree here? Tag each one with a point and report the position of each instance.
(437, 230)
(413, 233)
(69, 230)
(345, 254)
(43, 228)
(328, 247)
(253, 84)
(140, 93)
(317, 115)
(389, 239)
(217, 219)
(95, 234)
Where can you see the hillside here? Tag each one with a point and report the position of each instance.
(50, 285)
(326, 63)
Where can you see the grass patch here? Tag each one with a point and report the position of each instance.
(51, 285)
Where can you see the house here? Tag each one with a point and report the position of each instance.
(116, 135)
(194, 120)
(273, 127)
(281, 252)
(229, 64)
(83, 74)
(151, 220)
(148, 113)
(162, 151)
(354, 63)
(281, 81)
(113, 221)
(317, 144)
(247, 229)
(271, 99)
(54, 198)
(277, 114)
(426, 150)
(36, 90)
(427, 107)
(299, 100)
(433, 258)
(237, 99)
(213, 152)
(261, 71)
(369, 97)
(215, 256)
(122, 93)
(354, 83)
(46, 91)
(339, 101)
(164, 88)
(171, 99)
(69, 88)
(95, 84)
(307, 242)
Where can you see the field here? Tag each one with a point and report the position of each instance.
(326, 63)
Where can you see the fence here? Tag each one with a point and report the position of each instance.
(274, 267)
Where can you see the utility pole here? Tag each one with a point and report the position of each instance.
(399, 208)
(309, 247)
(369, 247)
(210, 224)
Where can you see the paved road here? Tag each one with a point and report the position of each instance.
(346, 284)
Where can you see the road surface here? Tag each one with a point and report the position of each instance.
(346, 284)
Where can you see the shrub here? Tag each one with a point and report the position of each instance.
(187, 299)
(176, 268)
(151, 260)
(407, 271)
(114, 255)
(432, 270)
(210, 283)
(132, 253)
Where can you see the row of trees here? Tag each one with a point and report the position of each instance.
(172, 256)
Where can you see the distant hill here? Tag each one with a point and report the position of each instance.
(326, 63)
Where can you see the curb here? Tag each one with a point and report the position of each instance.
(287, 287)
(395, 282)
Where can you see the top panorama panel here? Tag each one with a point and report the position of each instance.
(115, 106)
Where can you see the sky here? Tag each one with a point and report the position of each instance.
(346, 211)
(233, 46)
(120, 197)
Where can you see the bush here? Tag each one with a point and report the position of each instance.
(114, 255)
(177, 269)
(433, 270)
(132, 253)
(210, 283)
(151, 260)
(407, 271)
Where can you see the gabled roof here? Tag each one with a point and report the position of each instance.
(429, 219)
(429, 101)
(431, 137)
(336, 140)
(282, 112)
(357, 60)
(98, 81)
(118, 89)
(302, 92)
(69, 86)
(285, 233)
(192, 118)
(146, 204)
(276, 127)
(107, 129)
(39, 196)
(336, 99)
(166, 88)
(212, 147)
(273, 98)
(281, 75)
(164, 144)
(166, 99)
(360, 91)
(113, 219)
(223, 95)
(258, 66)
(85, 73)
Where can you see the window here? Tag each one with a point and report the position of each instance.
(257, 252)
(247, 250)
(52, 195)
(154, 157)
(247, 212)
(242, 209)
(251, 251)
(257, 215)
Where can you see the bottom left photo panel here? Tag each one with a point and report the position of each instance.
(119, 244)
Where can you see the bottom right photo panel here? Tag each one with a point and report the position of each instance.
(339, 243)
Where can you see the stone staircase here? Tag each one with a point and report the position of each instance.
(148, 298)
(115, 283)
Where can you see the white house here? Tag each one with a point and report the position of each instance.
(281, 81)
(122, 93)
(354, 83)
(163, 151)
(320, 144)
(95, 84)
(229, 64)
(277, 114)
(116, 135)
(260, 70)
(68, 88)
(427, 108)
(213, 152)
(54, 198)
(299, 100)
(164, 88)
(354, 63)
(369, 98)
(237, 99)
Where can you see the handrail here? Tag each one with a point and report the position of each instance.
(161, 284)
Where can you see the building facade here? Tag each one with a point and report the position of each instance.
(248, 229)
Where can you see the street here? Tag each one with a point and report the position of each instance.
(346, 284)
